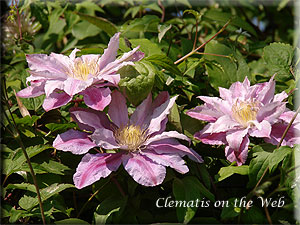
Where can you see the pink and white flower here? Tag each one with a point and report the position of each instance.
(244, 111)
(140, 142)
(60, 77)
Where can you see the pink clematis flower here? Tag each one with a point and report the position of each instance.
(142, 145)
(60, 77)
(244, 111)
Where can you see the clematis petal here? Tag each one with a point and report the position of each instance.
(204, 112)
(280, 97)
(172, 146)
(52, 85)
(110, 53)
(142, 112)
(94, 167)
(224, 123)
(117, 111)
(217, 104)
(73, 86)
(212, 139)
(73, 141)
(235, 138)
(36, 89)
(143, 170)
(271, 111)
(42, 62)
(291, 138)
(266, 91)
(56, 100)
(172, 160)
(264, 131)
(114, 66)
(166, 135)
(89, 119)
(104, 138)
(159, 114)
(97, 98)
(239, 155)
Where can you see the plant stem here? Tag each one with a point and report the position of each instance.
(93, 195)
(288, 127)
(118, 186)
(201, 46)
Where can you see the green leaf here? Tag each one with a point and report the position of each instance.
(265, 158)
(162, 30)
(227, 171)
(17, 158)
(33, 103)
(225, 71)
(71, 221)
(174, 118)
(146, 46)
(28, 202)
(84, 29)
(111, 205)
(165, 62)
(146, 23)
(224, 17)
(137, 81)
(101, 23)
(189, 189)
(278, 58)
(230, 211)
(53, 127)
(22, 186)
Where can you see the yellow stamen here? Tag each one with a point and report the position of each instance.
(131, 136)
(245, 112)
(81, 69)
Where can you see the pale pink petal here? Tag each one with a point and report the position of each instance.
(142, 112)
(239, 154)
(292, 137)
(172, 146)
(166, 135)
(224, 123)
(52, 85)
(104, 138)
(73, 141)
(143, 170)
(56, 100)
(217, 104)
(271, 111)
(211, 139)
(97, 98)
(72, 55)
(287, 117)
(125, 60)
(94, 167)
(204, 112)
(226, 94)
(280, 97)
(36, 89)
(110, 53)
(235, 138)
(159, 114)
(172, 160)
(238, 89)
(117, 111)
(42, 62)
(89, 119)
(266, 93)
(137, 56)
(73, 86)
(113, 79)
(263, 131)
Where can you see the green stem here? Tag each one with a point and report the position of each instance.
(201, 46)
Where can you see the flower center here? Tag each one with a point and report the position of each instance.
(244, 112)
(131, 137)
(81, 69)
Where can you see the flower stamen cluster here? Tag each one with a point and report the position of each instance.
(131, 136)
(81, 69)
(244, 112)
